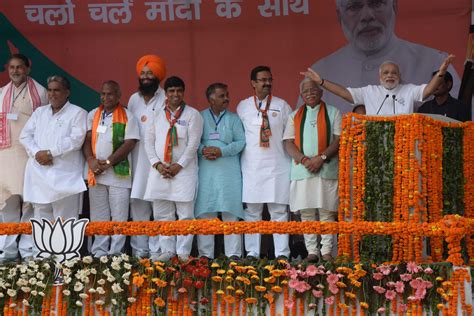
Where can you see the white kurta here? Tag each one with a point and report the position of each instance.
(314, 192)
(181, 188)
(104, 147)
(400, 100)
(265, 170)
(349, 68)
(14, 158)
(63, 134)
(144, 113)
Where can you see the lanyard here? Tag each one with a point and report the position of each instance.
(219, 118)
(104, 116)
(19, 93)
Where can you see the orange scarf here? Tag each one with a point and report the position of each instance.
(119, 116)
(324, 127)
(265, 130)
(172, 136)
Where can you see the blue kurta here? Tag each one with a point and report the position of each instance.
(220, 180)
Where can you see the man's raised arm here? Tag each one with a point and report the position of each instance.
(438, 78)
(335, 88)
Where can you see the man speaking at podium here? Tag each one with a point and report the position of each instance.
(391, 96)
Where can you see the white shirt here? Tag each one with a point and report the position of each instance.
(265, 170)
(350, 68)
(104, 147)
(400, 100)
(181, 188)
(144, 113)
(63, 134)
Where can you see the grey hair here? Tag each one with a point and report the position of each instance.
(305, 80)
(62, 80)
(388, 62)
(114, 84)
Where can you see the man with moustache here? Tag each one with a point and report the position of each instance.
(53, 139)
(220, 178)
(19, 98)
(369, 26)
(390, 97)
(111, 136)
(265, 164)
(149, 98)
(171, 142)
(312, 139)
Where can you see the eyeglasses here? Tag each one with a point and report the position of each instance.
(269, 80)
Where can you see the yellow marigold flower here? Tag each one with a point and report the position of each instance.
(439, 279)
(269, 267)
(239, 292)
(252, 272)
(270, 279)
(229, 299)
(343, 306)
(220, 271)
(276, 289)
(440, 306)
(246, 281)
(251, 300)
(158, 263)
(159, 269)
(341, 284)
(138, 280)
(159, 302)
(220, 292)
(229, 279)
(358, 266)
(260, 288)
(240, 269)
(284, 282)
(230, 272)
(215, 265)
(230, 288)
(440, 290)
(277, 273)
(233, 264)
(151, 291)
(269, 297)
(364, 305)
(350, 295)
(356, 283)
(282, 261)
(446, 283)
(216, 278)
(238, 278)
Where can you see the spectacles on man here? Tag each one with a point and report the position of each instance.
(264, 80)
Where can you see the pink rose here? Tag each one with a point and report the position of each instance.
(413, 267)
(377, 276)
(390, 295)
(317, 293)
(329, 300)
(379, 289)
(406, 277)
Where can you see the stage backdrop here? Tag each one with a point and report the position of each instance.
(201, 41)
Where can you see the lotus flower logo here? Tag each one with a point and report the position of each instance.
(62, 240)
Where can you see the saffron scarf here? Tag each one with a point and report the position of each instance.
(324, 128)
(265, 130)
(119, 123)
(172, 136)
(5, 137)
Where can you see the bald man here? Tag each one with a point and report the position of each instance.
(150, 97)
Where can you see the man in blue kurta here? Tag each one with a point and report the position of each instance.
(312, 140)
(220, 178)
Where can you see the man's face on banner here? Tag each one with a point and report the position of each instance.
(367, 24)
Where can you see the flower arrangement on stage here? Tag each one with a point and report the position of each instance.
(121, 285)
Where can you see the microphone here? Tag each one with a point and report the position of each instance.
(394, 97)
(386, 97)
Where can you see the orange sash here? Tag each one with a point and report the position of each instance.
(324, 127)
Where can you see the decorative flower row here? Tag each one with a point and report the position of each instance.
(127, 286)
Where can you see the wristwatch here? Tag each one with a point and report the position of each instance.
(323, 157)
(108, 162)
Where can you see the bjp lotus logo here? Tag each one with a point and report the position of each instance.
(61, 240)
